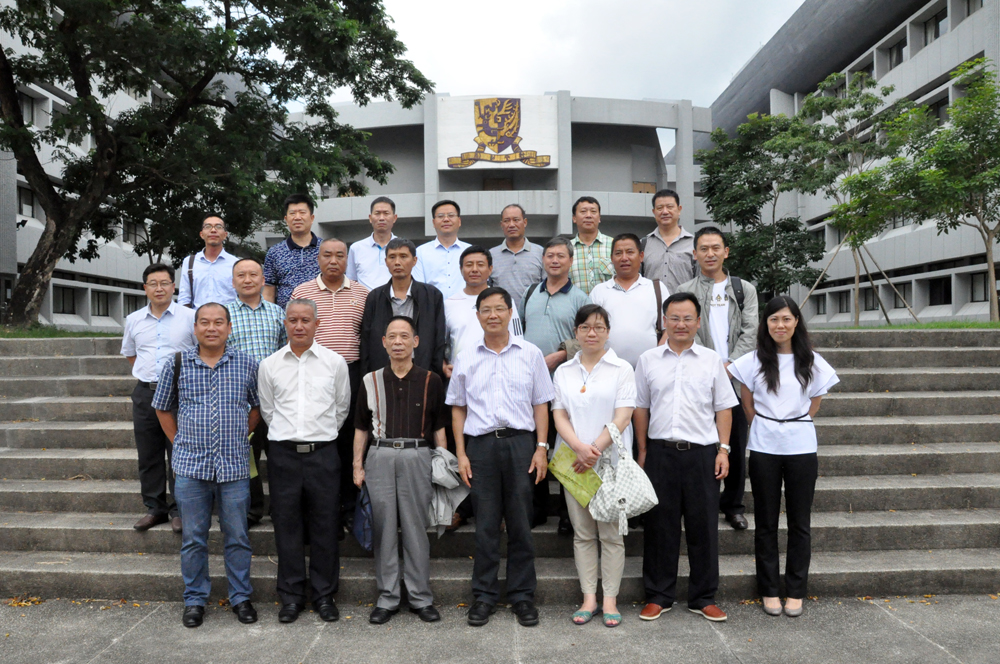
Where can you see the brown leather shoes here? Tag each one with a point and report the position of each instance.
(456, 522)
(175, 523)
(710, 612)
(653, 611)
(150, 520)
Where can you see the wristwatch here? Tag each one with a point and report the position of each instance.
(545, 445)
(727, 448)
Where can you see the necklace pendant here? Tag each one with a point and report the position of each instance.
(583, 389)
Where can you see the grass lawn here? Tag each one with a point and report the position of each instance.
(938, 325)
(46, 332)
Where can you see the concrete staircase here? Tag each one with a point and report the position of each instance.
(908, 501)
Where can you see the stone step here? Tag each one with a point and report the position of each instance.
(67, 386)
(64, 346)
(906, 429)
(831, 531)
(156, 577)
(896, 338)
(84, 365)
(65, 409)
(888, 404)
(69, 435)
(912, 379)
(870, 358)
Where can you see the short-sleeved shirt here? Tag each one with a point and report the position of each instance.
(393, 407)
(683, 393)
(153, 341)
(500, 389)
(213, 280)
(673, 265)
(259, 331)
(548, 318)
(366, 263)
(590, 399)
(633, 315)
(287, 265)
(791, 401)
(438, 266)
(463, 326)
(591, 263)
(340, 313)
(515, 271)
(213, 404)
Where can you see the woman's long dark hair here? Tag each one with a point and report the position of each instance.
(767, 349)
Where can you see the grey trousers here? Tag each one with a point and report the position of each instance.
(399, 481)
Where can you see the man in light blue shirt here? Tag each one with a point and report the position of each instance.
(207, 276)
(366, 258)
(152, 336)
(438, 260)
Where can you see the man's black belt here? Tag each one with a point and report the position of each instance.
(679, 445)
(302, 448)
(507, 432)
(400, 443)
(148, 386)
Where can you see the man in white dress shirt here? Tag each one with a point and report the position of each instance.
(207, 276)
(366, 258)
(682, 421)
(304, 397)
(437, 260)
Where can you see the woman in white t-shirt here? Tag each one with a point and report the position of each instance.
(592, 389)
(783, 382)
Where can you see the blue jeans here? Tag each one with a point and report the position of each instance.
(194, 501)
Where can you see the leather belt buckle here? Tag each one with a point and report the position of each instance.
(502, 432)
(682, 445)
(398, 444)
(152, 386)
(303, 449)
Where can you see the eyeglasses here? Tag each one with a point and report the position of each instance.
(213, 227)
(600, 329)
(160, 284)
(489, 311)
(443, 216)
(674, 320)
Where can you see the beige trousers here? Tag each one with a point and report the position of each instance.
(586, 532)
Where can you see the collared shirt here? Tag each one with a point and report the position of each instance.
(212, 404)
(259, 331)
(515, 271)
(463, 326)
(153, 341)
(213, 280)
(306, 398)
(438, 266)
(402, 306)
(340, 314)
(633, 315)
(287, 265)
(394, 407)
(673, 265)
(683, 393)
(548, 318)
(591, 263)
(366, 263)
(500, 389)
(590, 399)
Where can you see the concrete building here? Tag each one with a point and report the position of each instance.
(913, 46)
(606, 148)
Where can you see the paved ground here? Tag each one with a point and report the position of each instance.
(952, 629)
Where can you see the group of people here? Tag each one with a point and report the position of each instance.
(428, 374)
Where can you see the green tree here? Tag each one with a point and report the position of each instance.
(211, 131)
(744, 179)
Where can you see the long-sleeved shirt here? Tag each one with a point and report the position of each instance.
(366, 263)
(438, 266)
(213, 280)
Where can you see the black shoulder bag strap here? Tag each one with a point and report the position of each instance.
(659, 309)
(190, 271)
(527, 296)
(738, 291)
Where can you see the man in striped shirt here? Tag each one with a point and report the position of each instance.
(341, 304)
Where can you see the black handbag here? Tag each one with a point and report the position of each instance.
(364, 519)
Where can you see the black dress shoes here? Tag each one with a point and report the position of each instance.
(427, 613)
(526, 612)
(327, 609)
(480, 613)
(289, 613)
(245, 612)
(380, 616)
(565, 526)
(150, 520)
(193, 616)
(176, 525)
(737, 521)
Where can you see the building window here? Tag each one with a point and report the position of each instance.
(897, 54)
(821, 305)
(869, 299)
(906, 290)
(844, 302)
(498, 184)
(643, 187)
(978, 285)
(133, 232)
(936, 26)
(901, 220)
(25, 202)
(100, 303)
(63, 300)
(27, 108)
(939, 110)
(868, 70)
(133, 303)
(972, 6)
(940, 291)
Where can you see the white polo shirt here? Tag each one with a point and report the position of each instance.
(683, 393)
(633, 315)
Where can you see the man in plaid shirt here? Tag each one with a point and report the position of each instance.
(215, 398)
(591, 248)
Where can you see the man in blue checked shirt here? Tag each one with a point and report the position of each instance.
(215, 397)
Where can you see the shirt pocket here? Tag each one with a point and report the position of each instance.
(320, 389)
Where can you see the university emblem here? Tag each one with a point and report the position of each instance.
(498, 121)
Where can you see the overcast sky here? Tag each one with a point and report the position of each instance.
(631, 49)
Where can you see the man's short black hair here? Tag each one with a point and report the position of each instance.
(406, 319)
(382, 199)
(682, 297)
(157, 267)
(475, 249)
(710, 230)
(224, 308)
(587, 199)
(243, 260)
(495, 290)
(434, 208)
(666, 193)
(400, 242)
(517, 205)
(627, 236)
(295, 199)
(559, 241)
